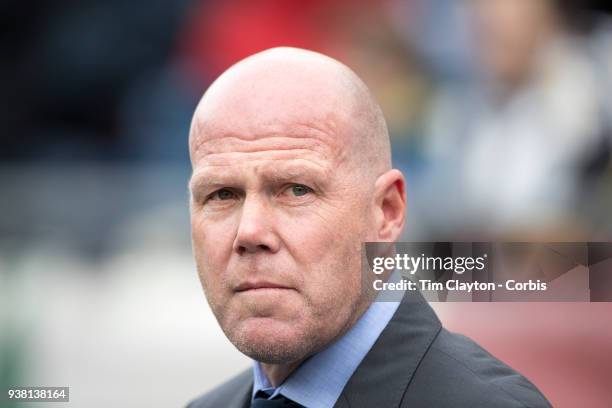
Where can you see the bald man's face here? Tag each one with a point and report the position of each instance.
(278, 211)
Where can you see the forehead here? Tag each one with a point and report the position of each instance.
(277, 157)
(217, 145)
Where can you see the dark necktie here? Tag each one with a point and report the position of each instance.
(261, 401)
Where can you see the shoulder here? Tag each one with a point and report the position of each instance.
(234, 392)
(456, 370)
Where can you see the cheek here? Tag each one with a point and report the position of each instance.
(316, 232)
(212, 246)
(326, 246)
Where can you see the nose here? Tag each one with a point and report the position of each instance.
(255, 231)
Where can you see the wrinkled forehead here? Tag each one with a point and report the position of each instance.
(282, 99)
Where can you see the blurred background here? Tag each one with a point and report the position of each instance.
(500, 113)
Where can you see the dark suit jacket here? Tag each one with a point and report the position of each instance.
(414, 363)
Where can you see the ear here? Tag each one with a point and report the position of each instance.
(390, 205)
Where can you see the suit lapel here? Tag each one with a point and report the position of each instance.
(384, 374)
(242, 397)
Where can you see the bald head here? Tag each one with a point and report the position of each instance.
(286, 91)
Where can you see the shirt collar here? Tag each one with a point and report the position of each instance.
(319, 381)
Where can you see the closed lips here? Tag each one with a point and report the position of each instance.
(259, 285)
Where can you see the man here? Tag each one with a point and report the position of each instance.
(291, 174)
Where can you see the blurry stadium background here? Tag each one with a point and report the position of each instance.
(500, 113)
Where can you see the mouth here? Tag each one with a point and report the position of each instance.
(261, 286)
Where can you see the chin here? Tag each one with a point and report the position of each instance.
(269, 341)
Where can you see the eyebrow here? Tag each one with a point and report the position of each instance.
(205, 179)
(292, 173)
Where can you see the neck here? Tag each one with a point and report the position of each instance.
(277, 373)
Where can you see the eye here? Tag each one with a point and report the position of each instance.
(298, 190)
(222, 195)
